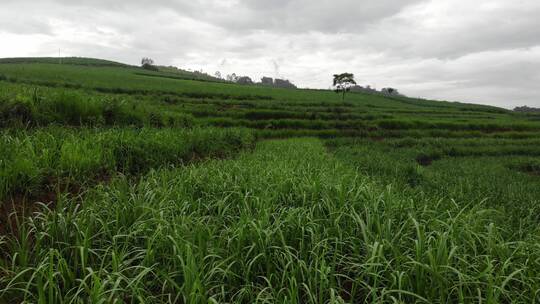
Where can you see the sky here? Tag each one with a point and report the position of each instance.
(482, 51)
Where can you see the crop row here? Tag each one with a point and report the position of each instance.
(71, 108)
(286, 224)
(132, 91)
(33, 161)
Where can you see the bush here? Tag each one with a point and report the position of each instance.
(17, 113)
(150, 67)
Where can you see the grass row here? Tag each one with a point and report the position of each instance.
(479, 175)
(70, 108)
(134, 90)
(396, 124)
(119, 78)
(34, 106)
(428, 149)
(65, 60)
(34, 162)
(287, 224)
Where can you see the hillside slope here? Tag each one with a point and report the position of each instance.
(308, 112)
(164, 71)
(121, 185)
(63, 60)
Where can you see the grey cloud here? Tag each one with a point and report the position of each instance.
(306, 15)
(276, 15)
(456, 28)
(484, 51)
(14, 20)
(506, 78)
(29, 28)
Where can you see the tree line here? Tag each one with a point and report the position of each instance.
(265, 81)
(345, 82)
(342, 83)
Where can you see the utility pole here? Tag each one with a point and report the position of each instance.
(59, 58)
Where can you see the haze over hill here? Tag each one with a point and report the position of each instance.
(485, 52)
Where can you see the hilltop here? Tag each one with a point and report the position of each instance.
(166, 71)
(63, 60)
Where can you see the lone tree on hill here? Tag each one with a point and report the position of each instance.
(148, 63)
(343, 83)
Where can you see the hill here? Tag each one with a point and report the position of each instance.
(119, 184)
(224, 104)
(166, 71)
(63, 60)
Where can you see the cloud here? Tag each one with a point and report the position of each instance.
(294, 16)
(482, 51)
(13, 20)
(449, 29)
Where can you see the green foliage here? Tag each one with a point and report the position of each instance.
(33, 108)
(287, 224)
(38, 161)
(114, 188)
(343, 83)
(64, 60)
(484, 171)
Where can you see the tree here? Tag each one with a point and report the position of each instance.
(244, 80)
(232, 77)
(267, 81)
(343, 83)
(148, 63)
(283, 83)
(218, 74)
(390, 91)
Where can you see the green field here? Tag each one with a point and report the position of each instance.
(123, 185)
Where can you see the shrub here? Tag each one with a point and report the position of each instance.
(18, 113)
(73, 109)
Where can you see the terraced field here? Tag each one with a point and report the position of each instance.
(122, 185)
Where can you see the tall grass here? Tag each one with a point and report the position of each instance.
(288, 224)
(408, 201)
(34, 108)
(32, 162)
(486, 176)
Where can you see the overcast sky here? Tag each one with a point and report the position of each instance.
(482, 51)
